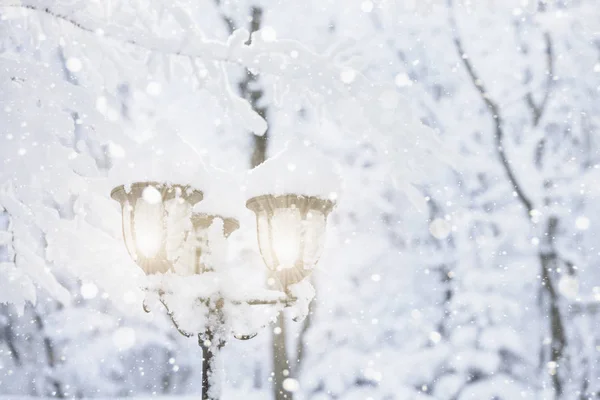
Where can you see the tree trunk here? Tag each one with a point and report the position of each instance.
(549, 262)
(251, 91)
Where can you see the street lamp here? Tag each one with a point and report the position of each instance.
(166, 238)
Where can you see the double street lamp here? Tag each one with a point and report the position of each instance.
(166, 237)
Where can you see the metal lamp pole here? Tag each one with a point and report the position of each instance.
(213, 340)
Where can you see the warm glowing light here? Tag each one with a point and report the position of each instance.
(291, 233)
(148, 227)
(286, 236)
(156, 222)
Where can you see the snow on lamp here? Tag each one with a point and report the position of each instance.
(198, 244)
(291, 219)
(156, 221)
(213, 220)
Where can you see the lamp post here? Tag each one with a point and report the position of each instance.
(166, 238)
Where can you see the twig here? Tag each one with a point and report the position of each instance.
(537, 110)
(497, 119)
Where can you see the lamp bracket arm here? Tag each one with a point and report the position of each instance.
(172, 316)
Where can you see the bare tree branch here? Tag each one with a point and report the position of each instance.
(497, 120)
(537, 110)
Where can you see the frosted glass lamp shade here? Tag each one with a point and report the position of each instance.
(291, 233)
(156, 222)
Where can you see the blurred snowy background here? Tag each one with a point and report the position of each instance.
(461, 261)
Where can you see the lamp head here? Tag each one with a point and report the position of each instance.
(291, 233)
(156, 221)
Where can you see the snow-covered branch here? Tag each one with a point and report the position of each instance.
(362, 107)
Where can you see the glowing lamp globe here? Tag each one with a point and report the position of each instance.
(291, 233)
(156, 222)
